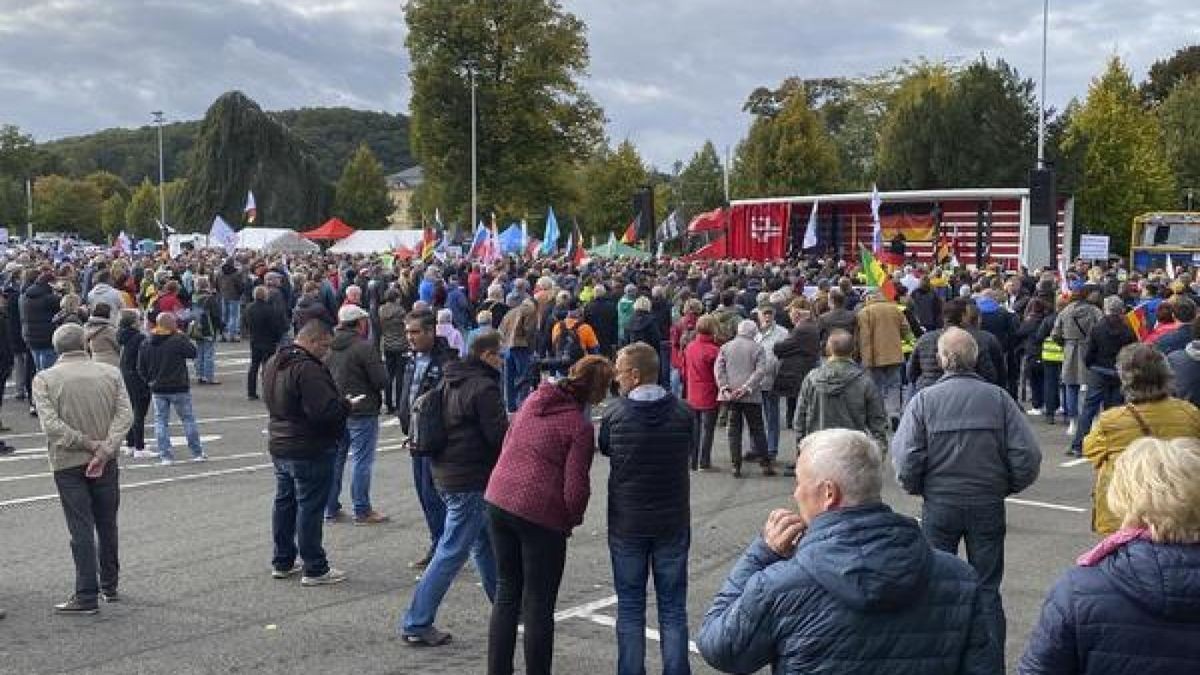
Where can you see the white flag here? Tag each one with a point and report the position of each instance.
(669, 229)
(1170, 267)
(124, 243)
(810, 232)
(877, 231)
(223, 235)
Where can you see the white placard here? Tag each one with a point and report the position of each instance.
(1093, 247)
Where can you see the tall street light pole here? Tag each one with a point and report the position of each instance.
(162, 198)
(474, 158)
(1041, 139)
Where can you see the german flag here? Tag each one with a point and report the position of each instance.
(1139, 321)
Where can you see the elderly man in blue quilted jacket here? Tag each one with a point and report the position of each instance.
(846, 585)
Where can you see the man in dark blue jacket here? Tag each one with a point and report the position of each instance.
(845, 584)
(648, 436)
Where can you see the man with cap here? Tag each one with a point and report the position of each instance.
(360, 377)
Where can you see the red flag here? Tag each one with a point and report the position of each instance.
(759, 231)
(631, 232)
(579, 253)
(709, 220)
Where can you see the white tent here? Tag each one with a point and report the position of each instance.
(377, 241)
(274, 240)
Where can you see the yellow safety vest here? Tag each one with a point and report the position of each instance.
(1052, 352)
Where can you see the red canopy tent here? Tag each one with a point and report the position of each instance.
(716, 249)
(333, 230)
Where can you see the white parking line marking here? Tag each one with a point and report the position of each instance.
(174, 423)
(1074, 462)
(588, 611)
(1046, 505)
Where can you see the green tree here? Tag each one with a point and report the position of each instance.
(112, 215)
(362, 193)
(17, 153)
(535, 122)
(991, 138)
(1180, 116)
(1167, 73)
(610, 179)
(785, 152)
(63, 204)
(108, 184)
(142, 212)
(12, 205)
(914, 136)
(1125, 170)
(701, 183)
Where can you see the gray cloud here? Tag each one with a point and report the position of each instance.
(669, 73)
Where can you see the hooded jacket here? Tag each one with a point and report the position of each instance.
(162, 362)
(307, 413)
(864, 593)
(476, 422)
(1137, 611)
(1185, 363)
(38, 305)
(543, 471)
(1071, 328)
(840, 394)
(357, 370)
(100, 336)
(642, 328)
(131, 339)
(105, 294)
(649, 445)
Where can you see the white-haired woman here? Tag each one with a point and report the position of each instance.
(1149, 410)
(1133, 602)
(446, 329)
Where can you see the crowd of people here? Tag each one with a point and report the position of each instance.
(495, 372)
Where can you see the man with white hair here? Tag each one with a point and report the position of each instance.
(740, 369)
(845, 584)
(964, 445)
(85, 412)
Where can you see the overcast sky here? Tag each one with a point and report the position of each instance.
(669, 73)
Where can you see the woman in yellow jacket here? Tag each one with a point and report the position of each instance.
(1149, 410)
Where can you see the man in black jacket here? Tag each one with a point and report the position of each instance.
(38, 305)
(162, 363)
(266, 325)
(648, 435)
(423, 371)
(475, 422)
(360, 377)
(601, 315)
(307, 417)
(1100, 350)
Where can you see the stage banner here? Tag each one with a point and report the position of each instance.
(759, 231)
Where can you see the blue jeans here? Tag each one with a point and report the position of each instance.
(233, 318)
(301, 488)
(206, 366)
(465, 534)
(516, 366)
(431, 502)
(676, 382)
(358, 441)
(633, 558)
(1102, 393)
(983, 527)
(887, 381)
(43, 358)
(770, 406)
(162, 413)
(1071, 401)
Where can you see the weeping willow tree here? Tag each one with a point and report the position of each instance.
(239, 149)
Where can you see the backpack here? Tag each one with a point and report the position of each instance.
(427, 423)
(568, 348)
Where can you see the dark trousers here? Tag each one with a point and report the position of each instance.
(983, 527)
(28, 370)
(139, 400)
(6, 371)
(752, 414)
(1037, 392)
(258, 356)
(634, 559)
(792, 402)
(706, 424)
(90, 506)
(395, 363)
(301, 490)
(1051, 379)
(529, 567)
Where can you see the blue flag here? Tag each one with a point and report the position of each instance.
(550, 238)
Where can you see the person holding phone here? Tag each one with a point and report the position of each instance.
(85, 412)
(844, 584)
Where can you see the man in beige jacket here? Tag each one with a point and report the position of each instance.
(85, 412)
(881, 334)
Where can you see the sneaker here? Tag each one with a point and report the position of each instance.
(737, 472)
(1071, 428)
(166, 461)
(6, 449)
(371, 518)
(751, 457)
(339, 517)
(422, 562)
(1034, 412)
(430, 637)
(32, 411)
(127, 451)
(200, 457)
(768, 469)
(77, 606)
(110, 596)
(331, 577)
(144, 454)
(251, 397)
(286, 574)
(1072, 452)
